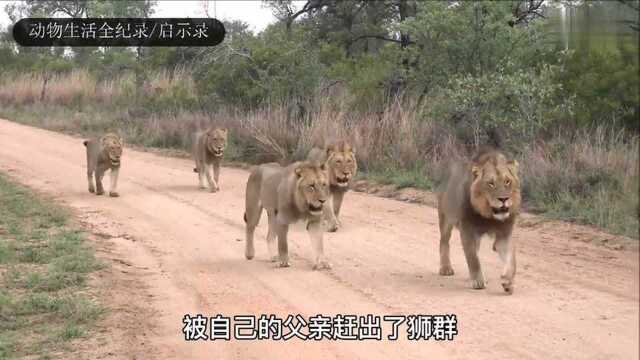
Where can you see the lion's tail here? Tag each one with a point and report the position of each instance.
(195, 170)
(85, 142)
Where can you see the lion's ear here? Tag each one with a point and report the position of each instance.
(298, 171)
(476, 171)
(323, 166)
(331, 149)
(224, 130)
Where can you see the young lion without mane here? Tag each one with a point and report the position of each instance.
(208, 149)
(296, 192)
(104, 154)
(481, 197)
(340, 158)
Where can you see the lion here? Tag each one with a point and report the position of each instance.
(289, 194)
(481, 197)
(104, 154)
(340, 158)
(208, 149)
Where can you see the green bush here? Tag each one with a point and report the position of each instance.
(519, 105)
(606, 86)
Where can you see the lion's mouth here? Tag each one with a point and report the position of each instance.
(344, 181)
(315, 209)
(115, 160)
(218, 152)
(500, 213)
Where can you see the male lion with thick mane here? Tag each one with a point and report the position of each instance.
(208, 149)
(340, 158)
(292, 193)
(481, 198)
(104, 154)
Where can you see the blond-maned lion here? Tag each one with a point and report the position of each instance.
(340, 158)
(208, 149)
(104, 154)
(289, 194)
(481, 197)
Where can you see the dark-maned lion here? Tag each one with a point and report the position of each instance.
(104, 154)
(340, 158)
(292, 193)
(481, 197)
(208, 149)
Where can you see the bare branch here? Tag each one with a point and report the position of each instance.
(531, 10)
(379, 37)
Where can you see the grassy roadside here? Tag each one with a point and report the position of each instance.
(44, 263)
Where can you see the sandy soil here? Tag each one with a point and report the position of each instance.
(178, 250)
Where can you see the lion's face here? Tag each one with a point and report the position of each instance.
(495, 190)
(312, 187)
(217, 141)
(342, 164)
(112, 144)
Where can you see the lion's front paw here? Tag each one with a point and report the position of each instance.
(478, 284)
(446, 270)
(274, 258)
(332, 227)
(249, 253)
(507, 284)
(91, 189)
(113, 194)
(100, 192)
(283, 261)
(322, 264)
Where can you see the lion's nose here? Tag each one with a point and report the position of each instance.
(503, 199)
(322, 201)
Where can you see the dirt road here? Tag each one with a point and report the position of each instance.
(181, 250)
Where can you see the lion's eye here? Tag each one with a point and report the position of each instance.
(507, 182)
(492, 185)
(349, 161)
(312, 188)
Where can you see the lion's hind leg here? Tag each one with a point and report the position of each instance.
(445, 235)
(91, 166)
(252, 218)
(253, 211)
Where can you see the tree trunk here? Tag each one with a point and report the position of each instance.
(44, 86)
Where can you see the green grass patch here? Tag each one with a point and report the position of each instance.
(401, 178)
(44, 264)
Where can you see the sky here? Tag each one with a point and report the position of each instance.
(252, 12)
